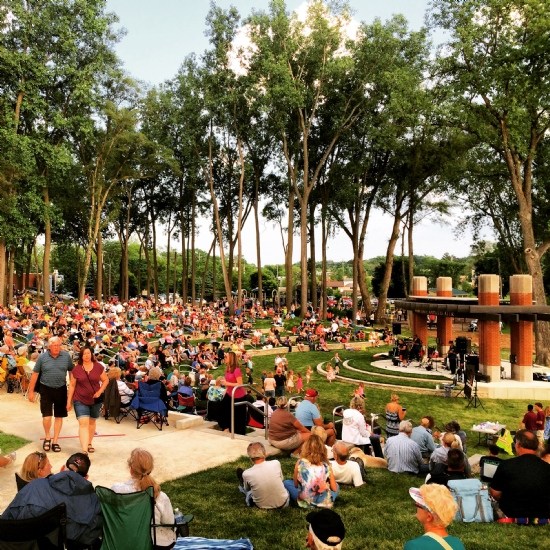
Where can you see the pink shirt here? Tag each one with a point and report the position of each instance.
(232, 377)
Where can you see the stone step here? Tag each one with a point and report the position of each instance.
(184, 421)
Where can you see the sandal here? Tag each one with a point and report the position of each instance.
(91, 449)
(47, 444)
(56, 448)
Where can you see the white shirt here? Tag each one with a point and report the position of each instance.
(348, 473)
(354, 428)
(265, 480)
(163, 512)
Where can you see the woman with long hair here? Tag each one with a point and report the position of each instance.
(36, 465)
(233, 378)
(141, 465)
(88, 381)
(313, 483)
(394, 414)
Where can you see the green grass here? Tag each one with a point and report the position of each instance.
(379, 515)
(9, 443)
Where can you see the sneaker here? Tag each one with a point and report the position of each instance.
(13, 456)
(240, 476)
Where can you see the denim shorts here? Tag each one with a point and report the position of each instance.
(86, 410)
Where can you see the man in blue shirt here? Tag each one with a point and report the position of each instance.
(307, 412)
(424, 439)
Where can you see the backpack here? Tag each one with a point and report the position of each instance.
(474, 503)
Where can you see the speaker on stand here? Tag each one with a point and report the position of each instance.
(396, 329)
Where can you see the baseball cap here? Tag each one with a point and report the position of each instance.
(327, 526)
(310, 392)
(78, 463)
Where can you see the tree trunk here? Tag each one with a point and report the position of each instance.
(257, 230)
(99, 280)
(11, 269)
(324, 241)
(47, 246)
(303, 252)
(410, 244)
(3, 272)
(289, 283)
(239, 227)
(313, 271)
(193, 251)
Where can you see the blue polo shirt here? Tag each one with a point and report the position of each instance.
(54, 370)
(306, 413)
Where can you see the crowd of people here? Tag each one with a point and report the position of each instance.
(101, 342)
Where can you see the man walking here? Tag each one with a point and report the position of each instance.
(52, 366)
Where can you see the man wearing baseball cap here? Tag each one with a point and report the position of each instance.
(308, 414)
(435, 509)
(326, 530)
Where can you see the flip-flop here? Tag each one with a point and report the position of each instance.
(91, 449)
(56, 448)
(47, 445)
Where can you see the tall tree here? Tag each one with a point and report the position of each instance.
(496, 67)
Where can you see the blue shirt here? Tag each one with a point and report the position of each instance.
(403, 454)
(424, 439)
(54, 369)
(307, 413)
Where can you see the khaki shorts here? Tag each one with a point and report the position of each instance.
(288, 444)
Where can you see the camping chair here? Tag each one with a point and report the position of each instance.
(112, 405)
(45, 532)
(149, 406)
(186, 404)
(127, 519)
(338, 419)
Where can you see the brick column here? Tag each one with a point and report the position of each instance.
(489, 333)
(521, 332)
(419, 325)
(444, 324)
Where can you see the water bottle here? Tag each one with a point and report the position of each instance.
(178, 516)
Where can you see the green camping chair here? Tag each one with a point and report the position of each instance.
(127, 519)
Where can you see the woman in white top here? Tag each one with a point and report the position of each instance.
(355, 429)
(140, 464)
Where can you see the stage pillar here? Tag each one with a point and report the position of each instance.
(444, 323)
(419, 325)
(521, 332)
(489, 331)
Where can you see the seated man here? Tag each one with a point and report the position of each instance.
(71, 487)
(308, 415)
(521, 485)
(403, 454)
(263, 482)
(453, 470)
(345, 471)
(424, 438)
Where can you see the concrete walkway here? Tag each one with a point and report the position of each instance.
(177, 452)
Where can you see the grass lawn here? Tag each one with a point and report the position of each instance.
(379, 515)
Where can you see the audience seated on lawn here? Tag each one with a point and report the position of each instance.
(403, 454)
(262, 484)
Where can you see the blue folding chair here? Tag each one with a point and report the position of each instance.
(149, 406)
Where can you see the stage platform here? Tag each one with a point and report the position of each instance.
(502, 389)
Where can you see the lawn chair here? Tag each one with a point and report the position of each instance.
(149, 406)
(186, 404)
(338, 419)
(112, 405)
(127, 519)
(45, 532)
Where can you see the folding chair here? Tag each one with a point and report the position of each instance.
(45, 532)
(186, 404)
(200, 543)
(112, 406)
(149, 406)
(127, 519)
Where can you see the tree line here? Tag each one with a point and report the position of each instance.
(314, 123)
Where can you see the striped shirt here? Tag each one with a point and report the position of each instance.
(403, 454)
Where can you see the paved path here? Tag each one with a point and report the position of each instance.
(177, 452)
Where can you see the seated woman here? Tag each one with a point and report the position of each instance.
(126, 394)
(36, 465)
(313, 483)
(394, 414)
(156, 375)
(141, 465)
(355, 429)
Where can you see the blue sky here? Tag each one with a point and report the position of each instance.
(161, 33)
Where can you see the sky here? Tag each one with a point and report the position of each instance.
(161, 33)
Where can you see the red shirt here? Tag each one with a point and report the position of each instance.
(530, 421)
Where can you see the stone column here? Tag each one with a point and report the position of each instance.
(419, 325)
(521, 332)
(489, 331)
(444, 324)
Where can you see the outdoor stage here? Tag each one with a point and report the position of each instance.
(502, 389)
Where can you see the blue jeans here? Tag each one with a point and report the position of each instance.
(295, 491)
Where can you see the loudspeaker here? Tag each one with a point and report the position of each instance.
(463, 345)
(396, 328)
